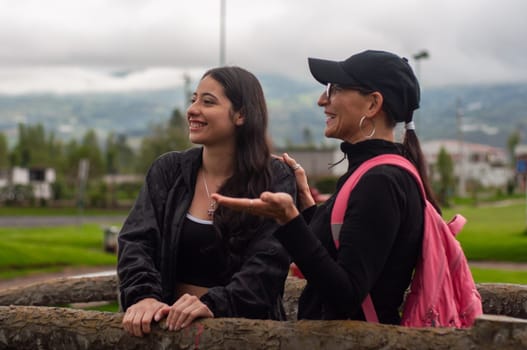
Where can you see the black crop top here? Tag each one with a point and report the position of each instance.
(200, 260)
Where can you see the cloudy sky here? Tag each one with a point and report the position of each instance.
(110, 45)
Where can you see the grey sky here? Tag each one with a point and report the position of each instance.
(73, 45)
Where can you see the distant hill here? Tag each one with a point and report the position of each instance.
(69, 116)
(490, 113)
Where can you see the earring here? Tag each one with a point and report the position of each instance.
(370, 135)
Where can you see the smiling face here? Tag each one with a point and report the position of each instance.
(210, 116)
(344, 108)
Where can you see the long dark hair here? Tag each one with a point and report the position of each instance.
(412, 149)
(414, 153)
(252, 174)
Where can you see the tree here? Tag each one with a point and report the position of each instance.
(35, 148)
(4, 152)
(178, 120)
(71, 161)
(308, 138)
(445, 168)
(512, 142)
(119, 159)
(91, 150)
(119, 156)
(163, 137)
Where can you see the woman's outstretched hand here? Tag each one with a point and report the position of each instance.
(278, 206)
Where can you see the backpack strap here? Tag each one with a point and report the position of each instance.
(341, 203)
(456, 224)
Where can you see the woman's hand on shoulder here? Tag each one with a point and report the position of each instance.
(305, 199)
(138, 317)
(278, 206)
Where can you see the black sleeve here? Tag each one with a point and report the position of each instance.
(308, 213)
(138, 275)
(256, 290)
(367, 234)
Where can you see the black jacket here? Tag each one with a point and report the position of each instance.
(148, 245)
(380, 240)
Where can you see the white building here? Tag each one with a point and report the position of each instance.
(486, 164)
(40, 179)
(317, 163)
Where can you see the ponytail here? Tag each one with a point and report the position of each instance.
(414, 153)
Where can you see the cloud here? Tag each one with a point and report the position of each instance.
(471, 41)
(64, 80)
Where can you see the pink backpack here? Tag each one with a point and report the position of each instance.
(442, 292)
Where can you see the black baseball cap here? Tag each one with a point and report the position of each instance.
(380, 71)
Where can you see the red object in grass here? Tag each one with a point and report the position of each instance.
(317, 196)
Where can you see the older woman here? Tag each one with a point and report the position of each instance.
(365, 97)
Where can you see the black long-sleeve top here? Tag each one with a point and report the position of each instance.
(149, 239)
(380, 240)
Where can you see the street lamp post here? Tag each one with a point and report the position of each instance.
(461, 163)
(222, 32)
(423, 54)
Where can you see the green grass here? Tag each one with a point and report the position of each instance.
(493, 232)
(46, 249)
(109, 307)
(498, 276)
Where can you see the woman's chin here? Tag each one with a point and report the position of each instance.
(330, 133)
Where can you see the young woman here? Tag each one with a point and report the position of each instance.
(182, 257)
(366, 95)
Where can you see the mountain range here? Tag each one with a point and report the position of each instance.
(489, 114)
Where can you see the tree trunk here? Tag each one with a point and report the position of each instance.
(29, 327)
(62, 291)
(504, 299)
(498, 298)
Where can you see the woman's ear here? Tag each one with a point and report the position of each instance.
(239, 119)
(375, 103)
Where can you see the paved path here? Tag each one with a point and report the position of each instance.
(35, 221)
(499, 265)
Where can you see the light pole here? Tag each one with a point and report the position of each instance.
(222, 32)
(418, 57)
(186, 90)
(423, 54)
(462, 181)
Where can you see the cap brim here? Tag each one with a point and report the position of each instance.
(326, 71)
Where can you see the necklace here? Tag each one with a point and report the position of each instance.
(212, 203)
